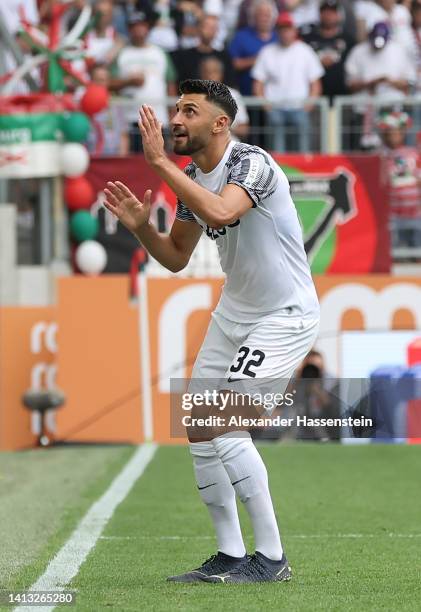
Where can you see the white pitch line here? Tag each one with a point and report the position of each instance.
(66, 564)
(301, 536)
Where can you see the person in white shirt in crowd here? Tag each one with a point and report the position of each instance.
(377, 67)
(103, 43)
(144, 73)
(212, 69)
(397, 16)
(287, 73)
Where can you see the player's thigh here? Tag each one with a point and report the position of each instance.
(212, 362)
(215, 354)
(208, 376)
(273, 350)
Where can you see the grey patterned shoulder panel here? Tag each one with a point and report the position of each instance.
(183, 213)
(251, 168)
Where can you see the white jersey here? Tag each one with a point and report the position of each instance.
(262, 253)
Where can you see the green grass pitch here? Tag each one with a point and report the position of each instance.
(350, 518)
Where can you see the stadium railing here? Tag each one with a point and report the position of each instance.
(355, 120)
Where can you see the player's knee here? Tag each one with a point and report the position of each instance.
(213, 500)
(245, 491)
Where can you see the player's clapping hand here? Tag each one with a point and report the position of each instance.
(151, 132)
(126, 207)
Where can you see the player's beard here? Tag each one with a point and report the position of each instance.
(189, 146)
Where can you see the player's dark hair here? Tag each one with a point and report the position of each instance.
(215, 92)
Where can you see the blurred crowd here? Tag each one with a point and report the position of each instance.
(287, 52)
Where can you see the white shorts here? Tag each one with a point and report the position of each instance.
(260, 356)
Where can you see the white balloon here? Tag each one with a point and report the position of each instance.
(91, 257)
(74, 159)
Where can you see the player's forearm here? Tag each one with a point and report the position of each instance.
(161, 247)
(210, 207)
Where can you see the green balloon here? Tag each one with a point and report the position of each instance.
(83, 226)
(75, 127)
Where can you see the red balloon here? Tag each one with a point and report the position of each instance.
(78, 193)
(95, 99)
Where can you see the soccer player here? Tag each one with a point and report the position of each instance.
(266, 320)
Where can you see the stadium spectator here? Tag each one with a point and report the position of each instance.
(377, 67)
(145, 73)
(212, 68)
(286, 73)
(187, 15)
(109, 133)
(347, 9)
(102, 42)
(397, 16)
(248, 41)
(187, 61)
(331, 43)
(244, 47)
(402, 173)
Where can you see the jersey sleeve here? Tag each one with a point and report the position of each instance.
(252, 170)
(183, 213)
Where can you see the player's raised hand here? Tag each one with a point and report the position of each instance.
(151, 132)
(126, 207)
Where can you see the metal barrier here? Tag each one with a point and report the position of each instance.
(356, 117)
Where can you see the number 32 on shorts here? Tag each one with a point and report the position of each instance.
(247, 361)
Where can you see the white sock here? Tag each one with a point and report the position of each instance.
(249, 478)
(218, 494)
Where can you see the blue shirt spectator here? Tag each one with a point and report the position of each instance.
(247, 42)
